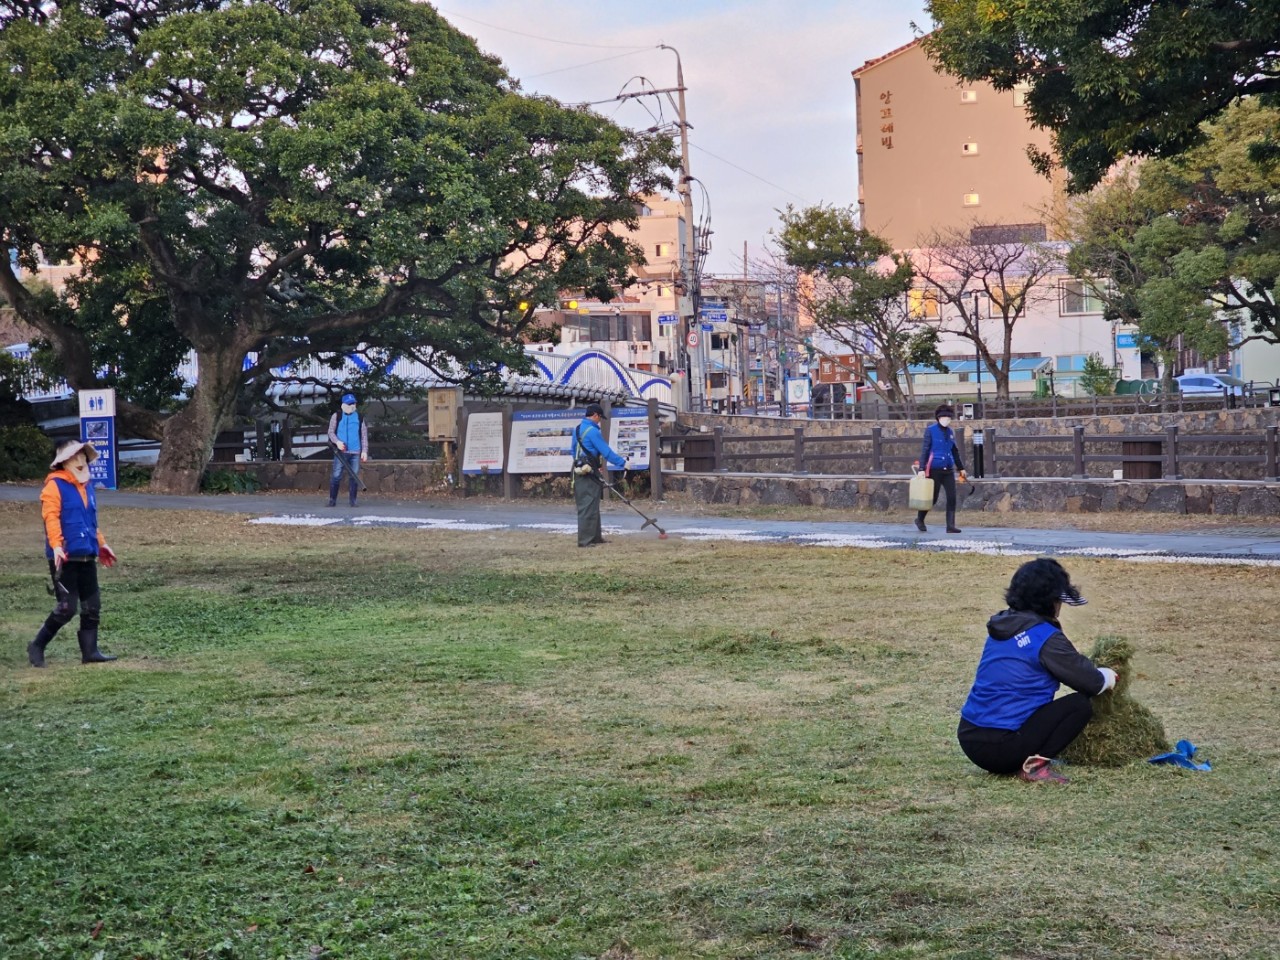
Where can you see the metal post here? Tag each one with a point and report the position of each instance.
(877, 450)
(977, 347)
(799, 451)
(1171, 453)
(979, 459)
(990, 435)
(1077, 437)
(1272, 455)
(509, 487)
(717, 449)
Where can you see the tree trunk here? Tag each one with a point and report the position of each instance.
(190, 433)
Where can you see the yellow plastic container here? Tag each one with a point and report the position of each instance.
(920, 493)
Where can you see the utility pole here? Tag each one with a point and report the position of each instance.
(685, 189)
(688, 264)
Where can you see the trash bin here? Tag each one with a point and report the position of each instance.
(1273, 397)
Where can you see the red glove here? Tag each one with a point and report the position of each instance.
(106, 556)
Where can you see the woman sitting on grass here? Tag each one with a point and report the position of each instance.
(1011, 722)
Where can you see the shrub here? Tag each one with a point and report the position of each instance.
(228, 481)
(24, 452)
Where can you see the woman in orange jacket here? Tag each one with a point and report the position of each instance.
(73, 545)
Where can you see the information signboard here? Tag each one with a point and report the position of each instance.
(482, 452)
(542, 440)
(98, 427)
(629, 434)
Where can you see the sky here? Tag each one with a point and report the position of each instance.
(769, 88)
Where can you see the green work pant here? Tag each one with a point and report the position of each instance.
(586, 494)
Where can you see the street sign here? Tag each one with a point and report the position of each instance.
(666, 319)
(692, 339)
(707, 328)
(713, 316)
(1126, 341)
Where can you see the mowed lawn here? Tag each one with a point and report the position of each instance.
(400, 743)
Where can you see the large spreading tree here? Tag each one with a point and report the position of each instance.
(266, 182)
(1115, 78)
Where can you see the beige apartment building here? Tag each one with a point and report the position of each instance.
(937, 153)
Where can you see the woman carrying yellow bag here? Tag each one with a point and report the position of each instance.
(942, 462)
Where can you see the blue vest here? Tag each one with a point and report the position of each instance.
(1011, 684)
(941, 440)
(79, 521)
(348, 431)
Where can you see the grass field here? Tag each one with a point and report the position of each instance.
(389, 743)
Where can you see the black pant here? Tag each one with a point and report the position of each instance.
(76, 588)
(1046, 733)
(943, 477)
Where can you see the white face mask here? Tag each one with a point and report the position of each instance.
(348, 408)
(944, 421)
(78, 467)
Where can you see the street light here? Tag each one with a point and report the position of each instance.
(977, 346)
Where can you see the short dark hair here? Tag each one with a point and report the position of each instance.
(1037, 587)
(944, 411)
(595, 410)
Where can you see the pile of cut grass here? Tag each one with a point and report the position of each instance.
(1122, 729)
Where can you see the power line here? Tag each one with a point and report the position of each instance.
(749, 173)
(530, 36)
(589, 63)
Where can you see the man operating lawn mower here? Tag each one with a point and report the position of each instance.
(73, 545)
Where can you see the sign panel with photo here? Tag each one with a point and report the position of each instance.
(629, 434)
(542, 440)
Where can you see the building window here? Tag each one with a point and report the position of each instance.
(1077, 298)
(662, 249)
(922, 304)
(971, 200)
(720, 341)
(1008, 293)
(664, 290)
(968, 96)
(1071, 362)
(719, 381)
(969, 149)
(1020, 91)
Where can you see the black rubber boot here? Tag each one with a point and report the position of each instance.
(35, 649)
(89, 652)
(333, 491)
(920, 524)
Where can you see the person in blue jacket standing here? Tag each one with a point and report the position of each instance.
(1011, 722)
(940, 457)
(590, 453)
(350, 438)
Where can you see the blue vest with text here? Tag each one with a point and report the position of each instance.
(941, 440)
(1011, 683)
(79, 521)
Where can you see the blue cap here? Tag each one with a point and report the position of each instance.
(348, 398)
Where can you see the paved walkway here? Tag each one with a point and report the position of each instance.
(1241, 546)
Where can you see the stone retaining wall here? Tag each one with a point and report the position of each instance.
(992, 496)
(312, 476)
